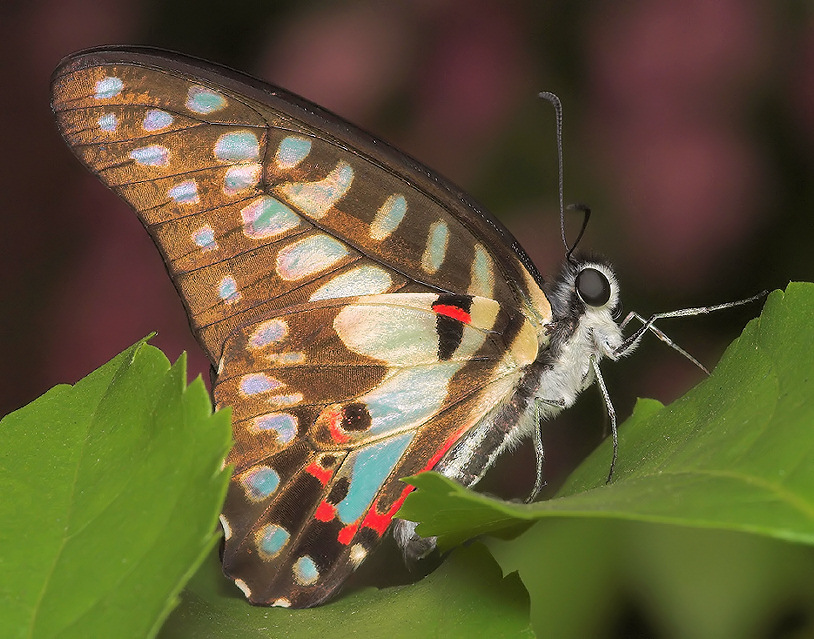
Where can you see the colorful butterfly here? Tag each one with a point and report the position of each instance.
(366, 319)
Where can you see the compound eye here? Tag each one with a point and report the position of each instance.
(593, 287)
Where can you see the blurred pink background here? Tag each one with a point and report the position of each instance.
(689, 130)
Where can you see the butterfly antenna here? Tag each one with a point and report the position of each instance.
(555, 102)
(586, 215)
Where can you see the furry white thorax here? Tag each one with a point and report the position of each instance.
(568, 372)
(596, 335)
(558, 388)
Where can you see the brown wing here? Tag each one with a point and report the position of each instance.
(334, 401)
(259, 200)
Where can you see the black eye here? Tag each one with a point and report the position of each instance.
(593, 287)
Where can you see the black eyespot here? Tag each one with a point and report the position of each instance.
(593, 287)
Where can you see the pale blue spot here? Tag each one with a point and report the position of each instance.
(203, 100)
(482, 277)
(362, 280)
(260, 482)
(108, 87)
(185, 192)
(388, 217)
(156, 119)
(227, 290)
(289, 357)
(237, 146)
(153, 155)
(371, 467)
(305, 571)
(307, 257)
(268, 217)
(292, 151)
(241, 177)
(284, 424)
(436, 248)
(316, 198)
(205, 238)
(255, 383)
(271, 539)
(285, 400)
(269, 332)
(408, 398)
(108, 122)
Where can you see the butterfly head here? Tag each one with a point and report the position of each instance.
(585, 302)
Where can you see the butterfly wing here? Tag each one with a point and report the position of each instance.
(271, 212)
(259, 200)
(340, 399)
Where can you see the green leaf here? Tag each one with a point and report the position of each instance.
(466, 597)
(615, 578)
(736, 452)
(111, 491)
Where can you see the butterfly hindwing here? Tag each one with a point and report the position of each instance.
(347, 396)
(363, 313)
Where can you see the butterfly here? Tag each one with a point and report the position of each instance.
(366, 319)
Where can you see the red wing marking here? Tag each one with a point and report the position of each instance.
(323, 475)
(378, 521)
(325, 511)
(454, 312)
(345, 535)
(334, 417)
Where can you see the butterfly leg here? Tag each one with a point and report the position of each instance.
(611, 414)
(537, 440)
(539, 455)
(661, 335)
(632, 341)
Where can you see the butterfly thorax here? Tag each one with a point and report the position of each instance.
(579, 333)
(576, 334)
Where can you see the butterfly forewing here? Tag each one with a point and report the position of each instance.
(362, 312)
(255, 209)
